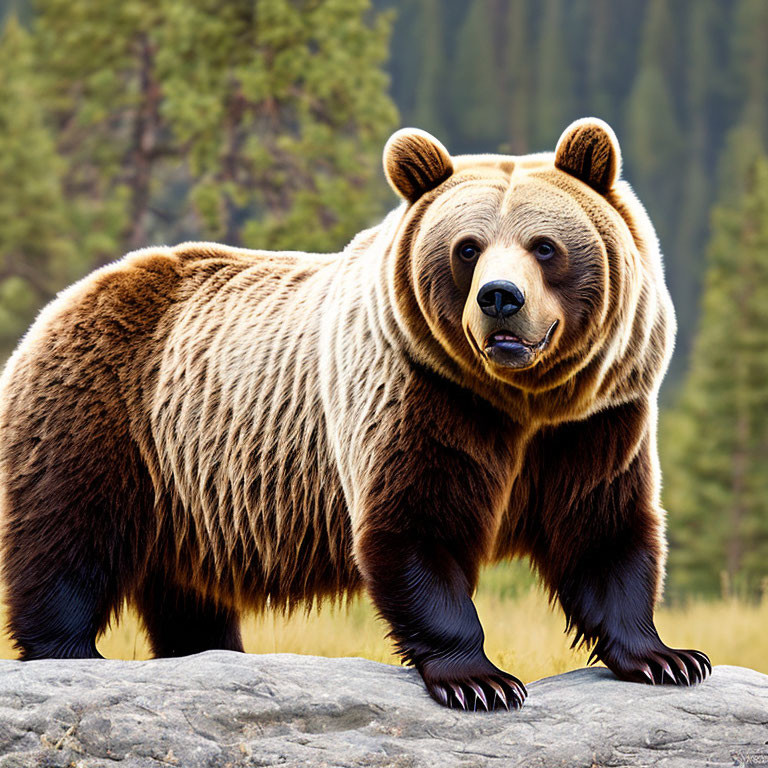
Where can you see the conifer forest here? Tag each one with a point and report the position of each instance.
(260, 123)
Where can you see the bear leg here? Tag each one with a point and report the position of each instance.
(608, 579)
(75, 494)
(421, 590)
(611, 608)
(64, 574)
(57, 611)
(181, 622)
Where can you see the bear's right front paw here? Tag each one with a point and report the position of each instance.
(477, 689)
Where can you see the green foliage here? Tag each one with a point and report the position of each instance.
(271, 115)
(717, 443)
(476, 109)
(100, 90)
(516, 82)
(124, 124)
(261, 123)
(508, 580)
(36, 246)
(689, 239)
(284, 124)
(430, 76)
(553, 90)
(653, 142)
(749, 50)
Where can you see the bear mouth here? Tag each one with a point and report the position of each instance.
(511, 351)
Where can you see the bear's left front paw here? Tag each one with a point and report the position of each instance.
(662, 665)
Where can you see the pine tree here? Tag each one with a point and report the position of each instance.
(554, 103)
(476, 83)
(750, 63)
(654, 140)
(283, 113)
(517, 74)
(747, 135)
(256, 123)
(598, 58)
(104, 92)
(699, 173)
(653, 143)
(429, 68)
(36, 249)
(717, 444)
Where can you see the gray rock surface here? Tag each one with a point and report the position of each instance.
(226, 709)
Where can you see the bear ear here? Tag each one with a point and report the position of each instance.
(415, 162)
(589, 150)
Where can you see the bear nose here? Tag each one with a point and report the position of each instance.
(500, 298)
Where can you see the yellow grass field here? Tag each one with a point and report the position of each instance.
(523, 634)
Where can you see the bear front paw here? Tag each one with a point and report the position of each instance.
(663, 665)
(487, 690)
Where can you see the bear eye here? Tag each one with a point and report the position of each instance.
(544, 250)
(468, 250)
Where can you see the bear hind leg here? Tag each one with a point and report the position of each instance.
(60, 615)
(180, 622)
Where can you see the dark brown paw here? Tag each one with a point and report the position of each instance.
(479, 692)
(662, 665)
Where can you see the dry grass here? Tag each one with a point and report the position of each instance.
(523, 635)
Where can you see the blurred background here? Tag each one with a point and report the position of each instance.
(261, 123)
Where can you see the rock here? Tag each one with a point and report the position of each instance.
(226, 709)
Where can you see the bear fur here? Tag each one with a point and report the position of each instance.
(205, 430)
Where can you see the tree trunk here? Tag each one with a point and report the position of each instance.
(143, 151)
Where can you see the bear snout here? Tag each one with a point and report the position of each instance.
(500, 299)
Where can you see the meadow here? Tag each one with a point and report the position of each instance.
(524, 634)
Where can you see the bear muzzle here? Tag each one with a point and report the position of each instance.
(504, 348)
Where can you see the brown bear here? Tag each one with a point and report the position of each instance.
(204, 430)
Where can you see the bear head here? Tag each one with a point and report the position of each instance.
(528, 270)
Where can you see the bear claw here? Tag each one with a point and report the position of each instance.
(459, 693)
(498, 693)
(479, 693)
(667, 666)
(440, 694)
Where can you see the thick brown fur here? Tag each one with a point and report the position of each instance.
(203, 430)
